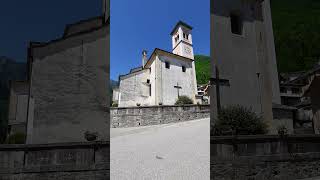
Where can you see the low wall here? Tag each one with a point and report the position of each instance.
(265, 157)
(282, 116)
(55, 161)
(153, 115)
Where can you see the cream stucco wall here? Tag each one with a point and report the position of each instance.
(134, 90)
(247, 60)
(170, 78)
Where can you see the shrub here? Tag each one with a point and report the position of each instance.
(282, 130)
(183, 100)
(16, 138)
(238, 120)
(114, 104)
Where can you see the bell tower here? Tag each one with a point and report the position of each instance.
(182, 40)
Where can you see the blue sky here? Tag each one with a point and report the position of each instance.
(146, 24)
(23, 21)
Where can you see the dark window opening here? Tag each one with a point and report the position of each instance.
(150, 90)
(167, 65)
(177, 38)
(295, 90)
(148, 81)
(283, 90)
(183, 69)
(236, 24)
(185, 35)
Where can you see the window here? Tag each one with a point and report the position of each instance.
(236, 24)
(183, 69)
(283, 90)
(167, 65)
(177, 38)
(148, 81)
(185, 35)
(295, 90)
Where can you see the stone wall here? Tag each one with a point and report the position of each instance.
(265, 157)
(152, 115)
(88, 161)
(69, 85)
(282, 116)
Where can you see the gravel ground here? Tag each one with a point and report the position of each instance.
(171, 151)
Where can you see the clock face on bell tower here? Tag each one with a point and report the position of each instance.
(187, 50)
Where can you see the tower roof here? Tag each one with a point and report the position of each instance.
(180, 23)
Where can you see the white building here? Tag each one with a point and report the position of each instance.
(242, 49)
(164, 76)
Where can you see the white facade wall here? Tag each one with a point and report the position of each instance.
(245, 60)
(153, 99)
(69, 89)
(170, 78)
(134, 90)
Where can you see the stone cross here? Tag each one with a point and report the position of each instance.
(219, 82)
(178, 88)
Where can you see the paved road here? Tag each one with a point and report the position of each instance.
(173, 151)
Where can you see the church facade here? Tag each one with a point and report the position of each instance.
(164, 76)
(243, 56)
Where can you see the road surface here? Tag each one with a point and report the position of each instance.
(169, 152)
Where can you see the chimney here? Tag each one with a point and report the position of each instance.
(105, 9)
(144, 58)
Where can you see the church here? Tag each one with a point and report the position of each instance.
(162, 77)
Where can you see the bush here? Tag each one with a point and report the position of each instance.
(183, 100)
(282, 130)
(238, 120)
(114, 104)
(16, 138)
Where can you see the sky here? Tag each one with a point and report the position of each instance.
(23, 21)
(146, 24)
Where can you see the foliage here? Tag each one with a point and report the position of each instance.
(17, 138)
(282, 130)
(238, 120)
(183, 100)
(114, 104)
(296, 27)
(202, 66)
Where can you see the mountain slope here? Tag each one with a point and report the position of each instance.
(296, 25)
(203, 67)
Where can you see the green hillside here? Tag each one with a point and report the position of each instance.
(202, 64)
(296, 26)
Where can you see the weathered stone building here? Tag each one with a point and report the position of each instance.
(242, 49)
(164, 76)
(18, 103)
(68, 83)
